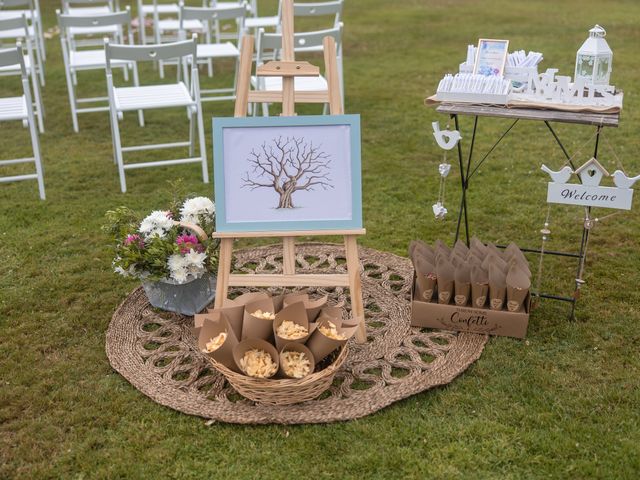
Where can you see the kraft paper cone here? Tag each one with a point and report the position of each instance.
(457, 260)
(478, 247)
(234, 314)
(418, 247)
(497, 287)
(312, 307)
(215, 324)
(518, 284)
(493, 259)
(426, 279)
(296, 347)
(462, 285)
(445, 273)
(278, 302)
(479, 286)
(439, 244)
(296, 313)
(491, 248)
(321, 346)
(473, 259)
(254, 327)
(460, 248)
(512, 250)
(524, 266)
(240, 349)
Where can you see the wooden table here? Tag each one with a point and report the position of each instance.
(597, 120)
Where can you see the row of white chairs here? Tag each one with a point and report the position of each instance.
(119, 53)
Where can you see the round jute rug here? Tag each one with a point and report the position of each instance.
(156, 351)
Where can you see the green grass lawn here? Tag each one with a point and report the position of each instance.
(565, 403)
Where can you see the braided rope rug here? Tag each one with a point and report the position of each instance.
(156, 351)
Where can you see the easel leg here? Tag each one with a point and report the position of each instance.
(288, 255)
(224, 269)
(355, 286)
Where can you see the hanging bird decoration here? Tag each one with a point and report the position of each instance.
(446, 139)
(620, 180)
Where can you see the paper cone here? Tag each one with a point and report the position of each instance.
(254, 327)
(493, 259)
(445, 273)
(333, 313)
(511, 251)
(213, 325)
(246, 298)
(491, 248)
(497, 287)
(473, 259)
(418, 247)
(296, 347)
(477, 247)
(248, 344)
(296, 313)
(312, 307)
(518, 284)
(278, 302)
(321, 346)
(457, 260)
(426, 279)
(460, 248)
(522, 265)
(479, 286)
(462, 285)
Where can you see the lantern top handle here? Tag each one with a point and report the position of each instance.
(597, 31)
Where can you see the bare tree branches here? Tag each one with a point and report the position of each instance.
(288, 165)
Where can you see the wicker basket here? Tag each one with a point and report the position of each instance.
(283, 391)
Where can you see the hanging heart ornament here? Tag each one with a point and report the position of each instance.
(443, 169)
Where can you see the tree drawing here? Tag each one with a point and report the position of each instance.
(287, 166)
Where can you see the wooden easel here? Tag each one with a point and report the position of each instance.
(288, 68)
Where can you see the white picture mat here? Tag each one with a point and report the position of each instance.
(243, 204)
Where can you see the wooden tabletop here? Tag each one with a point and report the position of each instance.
(585, 118)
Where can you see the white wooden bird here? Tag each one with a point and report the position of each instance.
(561, 176)
(622, 181)
(446, 139)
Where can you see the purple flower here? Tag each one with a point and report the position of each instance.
(188, 243)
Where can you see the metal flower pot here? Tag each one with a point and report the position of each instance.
(186, 298)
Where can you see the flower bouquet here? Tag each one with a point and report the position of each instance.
(170, 251)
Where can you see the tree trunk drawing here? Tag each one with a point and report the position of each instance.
(287, 166)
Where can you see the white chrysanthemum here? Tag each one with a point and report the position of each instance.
(157, 223)
(177, 268)
(194, 207)
(195, 260)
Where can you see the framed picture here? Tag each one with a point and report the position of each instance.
(287, 173)
(491, 57)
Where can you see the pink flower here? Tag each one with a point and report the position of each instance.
(188, 243)
(135, 238)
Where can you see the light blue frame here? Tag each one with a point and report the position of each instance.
(219, 124)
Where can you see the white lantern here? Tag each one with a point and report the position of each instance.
(593, 61)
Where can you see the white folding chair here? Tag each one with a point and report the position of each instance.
(331, 9)
(77, 60)
(256, 22)
(208, 51)
(21, 109)
(90, 35)
(29, 62)
(269, 46)
(8, 37)
(31, 10)
(154, 10)
(123, 99)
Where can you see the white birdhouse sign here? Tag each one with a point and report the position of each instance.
(589, 192)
